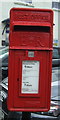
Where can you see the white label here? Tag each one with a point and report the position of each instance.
(30, 77)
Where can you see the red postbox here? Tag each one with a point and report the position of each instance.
(30, 59)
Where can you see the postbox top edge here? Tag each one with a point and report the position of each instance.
(32, 9)
(31, 14)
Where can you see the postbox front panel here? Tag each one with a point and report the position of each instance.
(29, 80)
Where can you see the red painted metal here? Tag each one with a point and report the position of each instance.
(31, 30)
